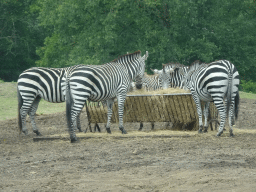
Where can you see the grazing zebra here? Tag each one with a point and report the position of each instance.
(157, 81)
(216, 81)
(103, 83)
(176, 77)
(36, 83)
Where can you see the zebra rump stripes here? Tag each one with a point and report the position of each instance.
(36, 83)
(103, 83)
(216, 81)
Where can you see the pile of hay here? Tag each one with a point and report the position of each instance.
(170, 105)
(158, 92)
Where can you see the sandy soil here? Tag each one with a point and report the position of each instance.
(148, 161)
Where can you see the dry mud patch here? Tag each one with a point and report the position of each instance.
(197, 162)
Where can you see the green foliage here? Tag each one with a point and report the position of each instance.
(70, 32)
(248, 86)
(19, 36)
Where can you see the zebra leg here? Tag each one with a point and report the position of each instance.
(23, 111)
(222, 111)
(98, 127)
(79, 123)
(231, 119)
(32, 113)
(73, 109)
(121, 100)
(141, 126)
(206, 114)
(152, 125)
(199, 111)
(23, 114)
(110, 103)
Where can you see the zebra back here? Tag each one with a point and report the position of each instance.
(44, 82)
(102, 82)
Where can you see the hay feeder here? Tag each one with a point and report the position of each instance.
(178, 108)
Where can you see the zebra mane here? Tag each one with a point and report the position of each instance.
(136, 54)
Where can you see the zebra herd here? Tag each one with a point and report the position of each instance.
(217, 81)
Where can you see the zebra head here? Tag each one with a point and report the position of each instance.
(165, 76)
(141, 70)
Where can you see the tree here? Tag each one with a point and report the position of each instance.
(19, 36)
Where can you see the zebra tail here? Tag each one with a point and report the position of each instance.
(229, 93)
(20, 103)
(69, 103)
(237, 100)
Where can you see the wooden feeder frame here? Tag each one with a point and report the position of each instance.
(178, 108)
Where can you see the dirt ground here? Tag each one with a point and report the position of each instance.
(158, 161)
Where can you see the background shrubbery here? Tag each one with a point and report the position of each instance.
(68, 32)
(248, 86)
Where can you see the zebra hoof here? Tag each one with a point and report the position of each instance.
(123, 131)
(219, 134)
(108, 130)
(232, 135)
(205, 130)
(200, 131)
(74, 140)
(37, 133)
(85, 131)
(80, 130)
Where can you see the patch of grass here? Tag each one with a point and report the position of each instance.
(9, 103)
(245, 95)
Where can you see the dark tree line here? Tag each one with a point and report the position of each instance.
(68, 32)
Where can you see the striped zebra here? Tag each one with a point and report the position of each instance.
(160, 80)
(36, 83)
(103, 83)
(176, 77)
(216, 81)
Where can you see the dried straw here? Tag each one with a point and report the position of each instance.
(170, 105)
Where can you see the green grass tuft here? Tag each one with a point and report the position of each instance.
(245, 95)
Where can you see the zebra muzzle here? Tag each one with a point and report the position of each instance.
(138, 86)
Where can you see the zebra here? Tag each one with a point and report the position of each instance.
(36, 83)
(175, 77)
(103, 83)
(216, 81)
(160, 80)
